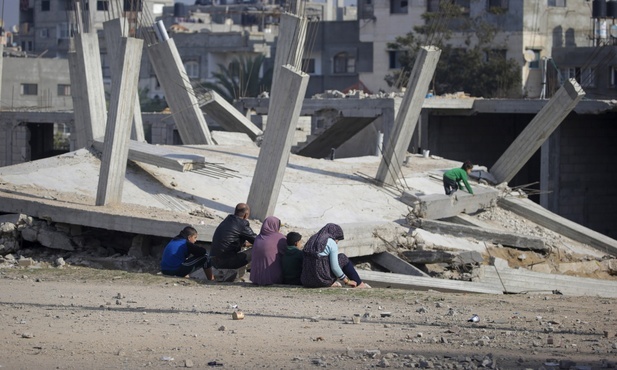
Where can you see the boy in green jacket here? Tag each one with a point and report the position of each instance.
(452, 178)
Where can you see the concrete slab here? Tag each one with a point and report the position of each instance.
(536, 213)
(396, 265)
(482, 234)
(173, 158)
(400, 281)
(314, 192)
(227, 115)
(337, 134)
(437, 206)
(530, 282)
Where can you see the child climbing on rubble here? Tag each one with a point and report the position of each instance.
(452, 178)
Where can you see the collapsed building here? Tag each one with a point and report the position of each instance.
(390, 206)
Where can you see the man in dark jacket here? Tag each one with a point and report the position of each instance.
(229, 238)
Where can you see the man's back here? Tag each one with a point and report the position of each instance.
(230, 235)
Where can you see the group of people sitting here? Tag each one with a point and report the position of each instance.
(274, 258)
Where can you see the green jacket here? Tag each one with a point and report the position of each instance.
(458, 175)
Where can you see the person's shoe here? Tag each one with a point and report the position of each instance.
(364, 286)
(336, 284)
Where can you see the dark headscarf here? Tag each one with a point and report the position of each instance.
(317, 243)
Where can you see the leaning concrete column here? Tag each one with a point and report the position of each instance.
(290, 45)
(89, 76)
(1, 58)
(407, 116)
(179, 93)
(276, 145)
(115, 30)
(118, 132)
(537, 131)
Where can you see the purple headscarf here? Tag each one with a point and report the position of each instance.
(317, 243)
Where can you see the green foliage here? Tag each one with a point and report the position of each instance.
(480, 68)
(241, 78)
(147, 104)
(61, 141)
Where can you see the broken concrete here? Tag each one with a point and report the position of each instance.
(396, 265)
(227, 116)
(523, 281)
(438, 206)
(538, 131)
(400, 281)
(407, 117)
(551, 221)
(492, 236)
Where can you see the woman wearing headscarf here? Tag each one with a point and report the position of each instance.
(268, 250)
(323, 264)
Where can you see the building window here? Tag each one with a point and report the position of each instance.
(432, 6)
(586, 77)
(398, 6)
(29, 89)
(45, 5)
(192, 69)
(102, 5)
(557, 3)
(308, 66)
(464, 4)
(44, 33)
(343, 63)
(535, 63)
(394, 59)
(66, 30)
(495, 54)
(497, 6)
(64, 90)
(613, 75)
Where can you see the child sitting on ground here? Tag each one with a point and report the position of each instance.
(182, 256)
(292, 259)
(452, 178)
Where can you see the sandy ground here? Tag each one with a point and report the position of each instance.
(77, 318)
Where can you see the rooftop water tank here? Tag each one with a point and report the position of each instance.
(180, 10)
(611, 9)
(598, 9)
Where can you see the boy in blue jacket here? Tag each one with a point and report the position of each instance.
(182, 257)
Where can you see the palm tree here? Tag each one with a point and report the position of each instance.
(240, 78)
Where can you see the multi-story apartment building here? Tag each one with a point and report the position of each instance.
(46, 26)
(528, 31)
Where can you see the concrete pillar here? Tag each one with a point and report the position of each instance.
(118, 132)
(5, 143)
(89, 76)
(276, 146)
(1, 58)
(78, 93)
(179, 93)
(537, 131)
(407, 116)
(115, 30)
(227, 115)
(290, 45)
(549, 172)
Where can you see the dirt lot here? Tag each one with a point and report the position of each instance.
(76, 318)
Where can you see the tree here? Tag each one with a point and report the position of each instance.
(147, 104)
(241, 78)
(480, 68)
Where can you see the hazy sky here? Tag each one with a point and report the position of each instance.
(9, 11)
